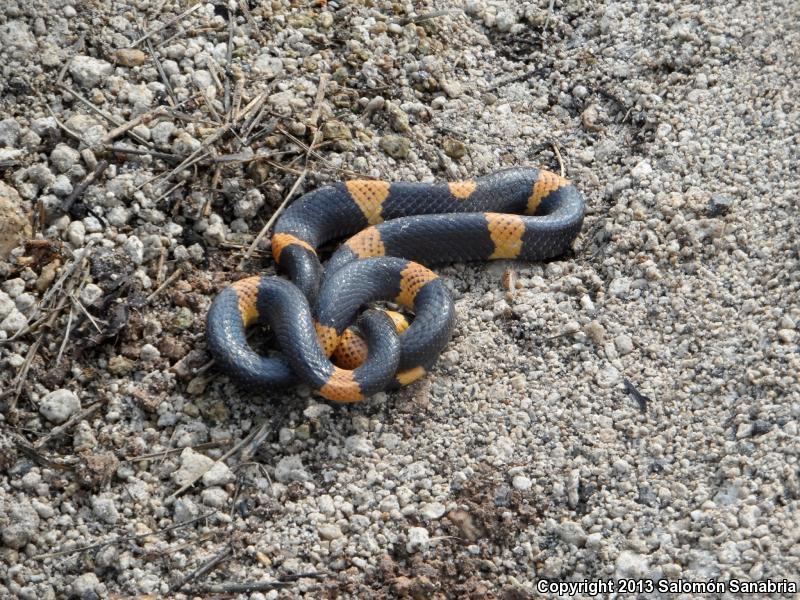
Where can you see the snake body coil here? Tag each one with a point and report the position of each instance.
(519, 213)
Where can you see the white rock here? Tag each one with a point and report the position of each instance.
(162, 132)
(76, 233)
(149, 353)
(62, 186)
(641, 170)
(59, 405)
(325, 505)
(6, 305)
(15, 34)
(90, 294)
(433, 510)
(267, 66)
(87, 71)
(9, 132)
(521, 483)
(215, 234)
(359, 445)
(418, 539)
(623, 344)
(329, 531)
(249, 205)
(619, 287)
(184, 510)
(219, 474)
(24, 301)
(63, 157)
(290, 468)
(593, 540)
(630, 565)
(572, 533)
(134, 248)
(105, 510)
(86, 586)
(13, 322)
(14, 287)
(193, 466)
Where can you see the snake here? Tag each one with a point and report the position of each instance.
(392, 230)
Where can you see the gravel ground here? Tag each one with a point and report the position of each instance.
(629, 411)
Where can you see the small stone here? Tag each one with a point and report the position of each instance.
(418, 539)
(86, 587)
(118, 216)
(6, 305)
(120, 365)
(13, 322)
(219, 475)
(215, 234)
(290, 468)
(184, 510)
(184, 144)
(215, 497)
(641, 170)
(398, 119)
(630, 565)
(76, 233)
(105, 510)
(452, 88)
(787, 336)
(744, 430)
(433, 510)
(63, 157)
(13, 224)
(87, 71)
(24, 301)
(375, 104)
(193, 466)
(519, 381)
(395, 146)
(59, 405)
(134, 248)
(336, 130)
(9, 132)
(593, 540)
(623, 344)
(140, 97)
(267, 66)
(521, 483)
(83, 439)
(248, 206)
(505, 20)
(45, 127)
(14, 287)
(454, 148)
(718, 205)
(161, 133)
(572, 533)
(129, 57)
(359, 445)
(90, 294)
(595, 331)
(619, 287)
(329, 531)
(149, 353)
(62, 186)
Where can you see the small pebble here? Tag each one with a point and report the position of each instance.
(418, 540)
(395, 146)
(59, 405)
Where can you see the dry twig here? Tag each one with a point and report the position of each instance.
(128, 538)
